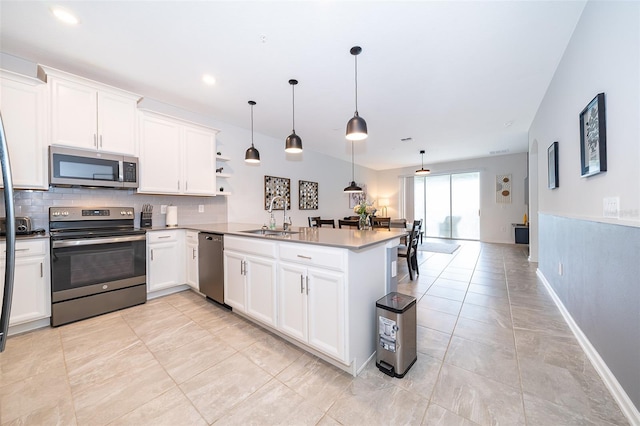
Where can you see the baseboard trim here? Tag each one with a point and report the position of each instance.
(626, 405)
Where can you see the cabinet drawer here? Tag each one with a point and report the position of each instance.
(192, 237)
(315, 256)
(250, 246)
(162, 236)
(28, 248)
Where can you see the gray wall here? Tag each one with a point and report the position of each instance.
(600, 286)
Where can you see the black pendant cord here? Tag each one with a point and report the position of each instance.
(252, 126)
(293, 106)
(352, 166)
(356, 76)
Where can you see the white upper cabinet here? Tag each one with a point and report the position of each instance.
(23, 107)
(87, 114)
(176, 156)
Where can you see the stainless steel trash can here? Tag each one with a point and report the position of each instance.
(396, 349)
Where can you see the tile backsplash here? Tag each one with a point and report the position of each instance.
(35, 204)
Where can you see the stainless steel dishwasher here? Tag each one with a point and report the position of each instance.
(211, 266)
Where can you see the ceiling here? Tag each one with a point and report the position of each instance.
(461, 79)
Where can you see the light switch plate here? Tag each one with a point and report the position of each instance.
(611, 207)
(163, 209)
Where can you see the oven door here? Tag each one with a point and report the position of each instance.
(82, 267)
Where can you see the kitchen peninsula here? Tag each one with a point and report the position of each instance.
(315, 287)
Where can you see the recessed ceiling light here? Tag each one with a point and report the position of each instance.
(208, 79)
(64, 15)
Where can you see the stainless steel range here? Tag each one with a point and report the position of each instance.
(98, 262)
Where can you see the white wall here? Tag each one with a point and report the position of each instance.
(495, 218)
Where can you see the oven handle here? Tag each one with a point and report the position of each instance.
(95, 241)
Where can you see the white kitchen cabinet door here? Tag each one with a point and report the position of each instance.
(23, 106)
(117, 123)
(191, 255)
(292, 300)
(90, 115)
(32, 287)
(165, 266)
(160, 157)
(234, 280)
(199, 161)
(74, 114)
(326, 311)
(260, 274)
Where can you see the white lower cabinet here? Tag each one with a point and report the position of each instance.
(165, 259)
(311, 307)
(191, 255)
(250, 278)
(32, 285)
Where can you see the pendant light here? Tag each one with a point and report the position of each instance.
(356, 127)
(422, 171)
(252, 155)
(294, 143)
(352, 188)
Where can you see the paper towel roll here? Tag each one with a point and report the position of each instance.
(172, 215)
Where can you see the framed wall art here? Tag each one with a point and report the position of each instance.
(552, 163)
(274, 186)
(503, 189)
(593, 138)
(307, 195)
(356, 197)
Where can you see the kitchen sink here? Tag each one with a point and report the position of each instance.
(270, 232)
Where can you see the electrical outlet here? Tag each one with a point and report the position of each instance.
(200, 208)
(611, 207)
(163, 209)
(394, 268)
(560, 268)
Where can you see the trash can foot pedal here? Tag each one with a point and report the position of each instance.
(386, 368)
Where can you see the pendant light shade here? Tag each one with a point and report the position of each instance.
(294, 142)
(352, 188)
(422, 171)
(356, 127)
(252, 155)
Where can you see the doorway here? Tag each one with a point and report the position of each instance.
(449, 205)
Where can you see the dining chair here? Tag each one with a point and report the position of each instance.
(313, 221)
(347, 222)
(381, 222)
(410, 252)
(321, 222)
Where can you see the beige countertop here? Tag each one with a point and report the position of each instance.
(342, 238)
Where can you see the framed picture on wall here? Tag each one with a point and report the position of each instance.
(552, 163)
(277, 186)
(593, 138)
(307, 195)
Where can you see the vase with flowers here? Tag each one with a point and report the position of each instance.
(364, 210)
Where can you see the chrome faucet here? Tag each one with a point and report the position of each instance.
(285, 224)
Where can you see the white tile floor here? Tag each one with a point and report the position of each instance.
(492, 350)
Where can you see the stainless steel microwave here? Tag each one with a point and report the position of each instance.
(76, 167)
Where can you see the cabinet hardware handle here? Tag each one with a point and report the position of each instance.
(165, 236)
(304, 257)
(151, 254)
(194, 253)
(186, 186)
(301, 284)
(178, 185)
(100, 141)
(41, 270)
(95, 140)
(307, 284)
(22, 249)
